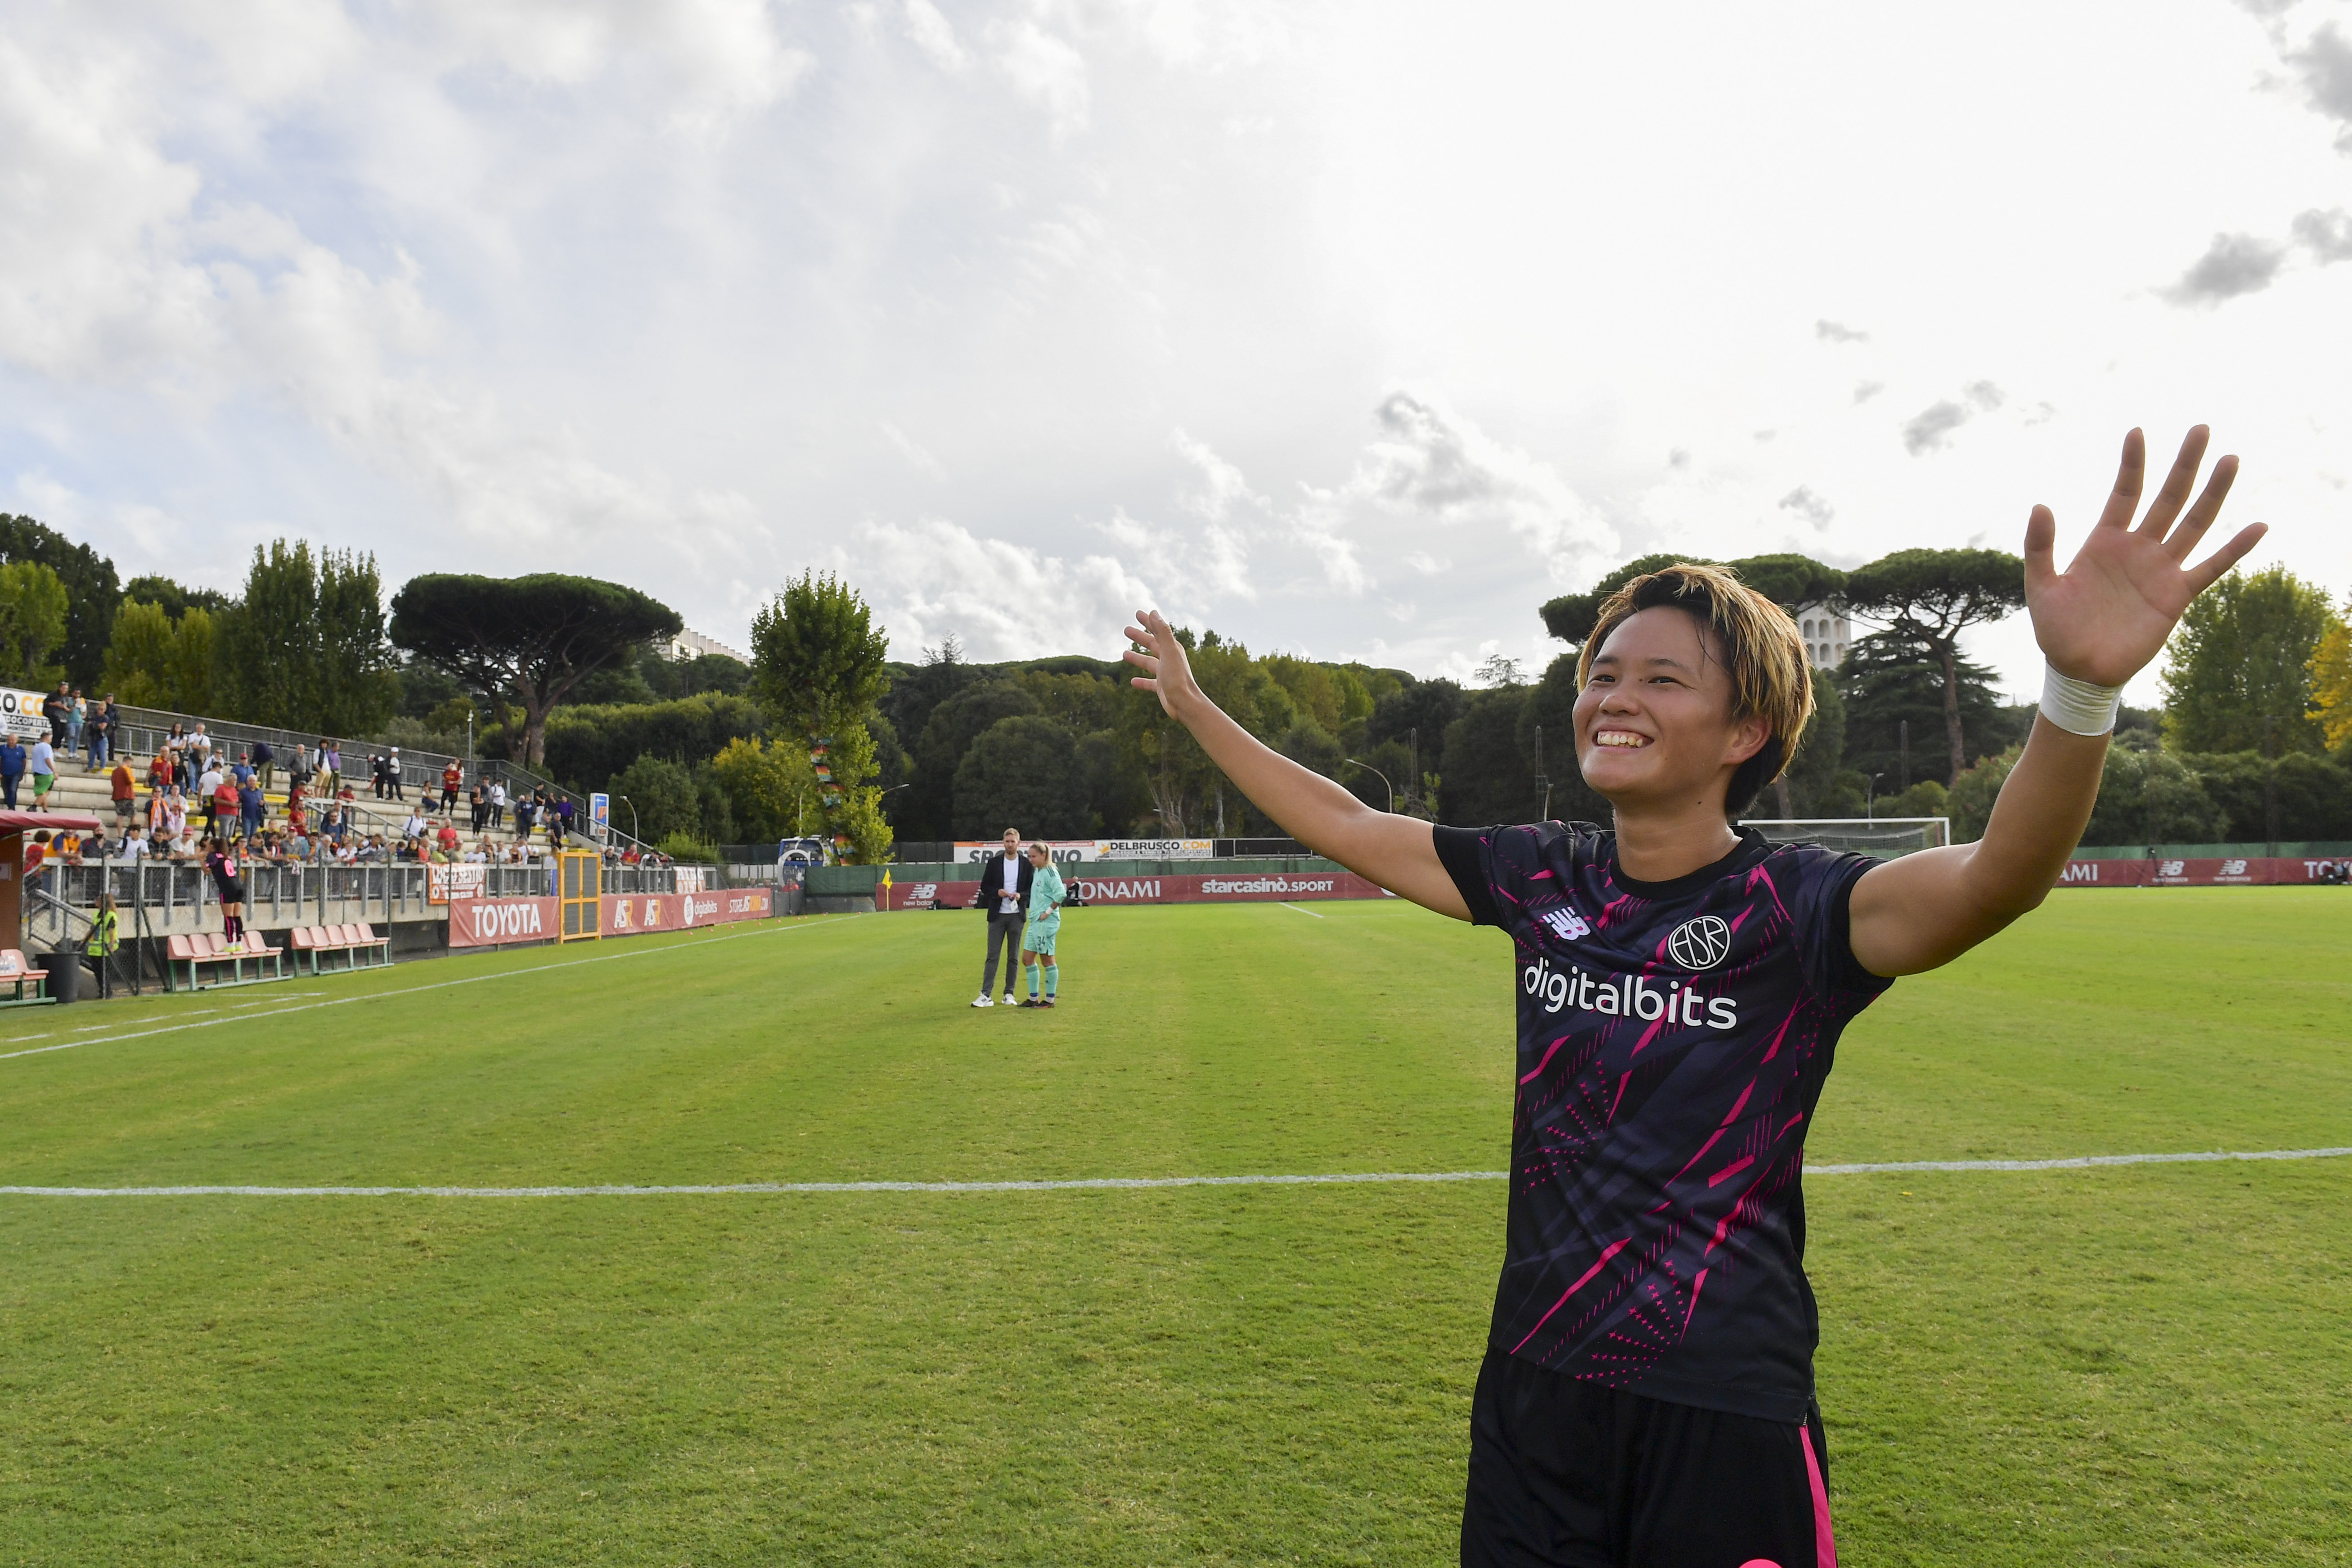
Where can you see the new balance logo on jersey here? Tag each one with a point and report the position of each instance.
(1566, 924)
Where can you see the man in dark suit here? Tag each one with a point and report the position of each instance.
(1004, 893)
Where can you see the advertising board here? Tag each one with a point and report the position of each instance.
(2252, 872)
(444, 884)
(1078, 851)
(1268, 886)
(489, 923)
(20, 714)
(632, 914)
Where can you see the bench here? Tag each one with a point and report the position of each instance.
(211, 947)
(350, 941)
(14, 972)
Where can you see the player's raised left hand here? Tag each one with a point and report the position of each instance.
(1168, 672)
(2109, 613)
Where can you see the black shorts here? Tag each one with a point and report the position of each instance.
(1567, 1472)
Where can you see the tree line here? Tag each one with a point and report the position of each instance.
(823, 733)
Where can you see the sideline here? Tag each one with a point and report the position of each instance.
(771, 930)
(1296, 910)
(1093, 1184)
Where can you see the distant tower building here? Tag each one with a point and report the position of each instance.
(692, 645)
(1826, 632)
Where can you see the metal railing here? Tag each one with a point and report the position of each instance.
(278, 893)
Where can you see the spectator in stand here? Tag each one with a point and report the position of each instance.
(453, 778)
(36, 853)
(265, 762)
(298, 844)
(298, 807)
(242, 769)
(171, 820)
(13, 763)
(57, 709)
(98, 733)
(563, 815)
(330, 764)
(498, 805)
(479, 805)
(249, 806)
(208, 783)
(445, 841)
(523, 810)
(412, 832)
(77, 720)
(134, 845)
(45, 772)
(163, 772)
(200, 747)
(226, 805)
(126, 794)
(391, 774)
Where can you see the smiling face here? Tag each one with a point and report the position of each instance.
(1653, 725)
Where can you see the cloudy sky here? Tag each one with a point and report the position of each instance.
(1355, 330)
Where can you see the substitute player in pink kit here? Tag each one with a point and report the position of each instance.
(1648, 1396)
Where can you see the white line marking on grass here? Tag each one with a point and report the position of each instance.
(1090, 1183)
(436, 986)
(1297, 909)
(2078, 1163)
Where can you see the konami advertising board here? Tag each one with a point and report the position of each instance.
(491, 922)
(1253, 886)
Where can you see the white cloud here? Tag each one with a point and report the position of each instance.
(933, 576)
(934, 35)
(1045, 69)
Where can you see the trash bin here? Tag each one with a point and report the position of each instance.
(65, 974)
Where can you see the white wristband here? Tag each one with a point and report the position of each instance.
(2078, 707)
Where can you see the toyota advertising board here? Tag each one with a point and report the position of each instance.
(492, 923)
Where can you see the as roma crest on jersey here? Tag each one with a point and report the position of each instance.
(1700, 944)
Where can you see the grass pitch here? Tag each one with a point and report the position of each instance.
(2134, 1364)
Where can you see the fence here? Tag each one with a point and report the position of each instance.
(153, 893)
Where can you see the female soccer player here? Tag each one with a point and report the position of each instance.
(1647, 1393)
(220, 859)
(1044, 923)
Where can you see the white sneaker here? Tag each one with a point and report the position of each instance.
(982, 1001)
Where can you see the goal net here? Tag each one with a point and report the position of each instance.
(1885, 837)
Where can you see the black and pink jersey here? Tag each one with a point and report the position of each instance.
(1674, 1037)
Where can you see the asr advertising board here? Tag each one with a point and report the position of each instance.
(20, 714)
(491, 922)
(1078, 851)
(1268, 886)
(632, 914)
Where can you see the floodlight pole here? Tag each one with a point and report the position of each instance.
(1870, 801)
(1376, 773)
(633, 817)
(1542, 781)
